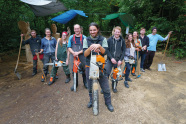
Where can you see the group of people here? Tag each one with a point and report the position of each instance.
(116, 48)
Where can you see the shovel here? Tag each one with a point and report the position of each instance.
(15, 71)
(161, 65)
(39, 63)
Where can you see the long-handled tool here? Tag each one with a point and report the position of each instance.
(161, 65)
(138, 65)
(15, 71)
(39, 62)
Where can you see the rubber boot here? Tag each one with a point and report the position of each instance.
(107, 98)
(72, 88)
(67, 78)
(34, 73)
(51, 81)
(85, 81)
(126, 84)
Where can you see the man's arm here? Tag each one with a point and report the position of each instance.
(108, 50)
(123, 48)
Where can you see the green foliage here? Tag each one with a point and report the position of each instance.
(165, 15)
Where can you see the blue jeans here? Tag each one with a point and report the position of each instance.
(46, 59)
(109, 66)
(128, 68)
(142, 55)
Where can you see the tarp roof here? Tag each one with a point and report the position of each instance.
(67, 16)
(53, 6)
(126, 19)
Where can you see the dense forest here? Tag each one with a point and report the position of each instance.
(166, 15)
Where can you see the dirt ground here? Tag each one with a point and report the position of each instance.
(154, 98)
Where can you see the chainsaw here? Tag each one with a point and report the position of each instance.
(116, 76)
(57, 63)
(76, 65)
(97, 63)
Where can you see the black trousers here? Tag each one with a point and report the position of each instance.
(149, 59)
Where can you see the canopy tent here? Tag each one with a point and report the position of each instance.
(44, 8)
(126, 19)
(67, 16)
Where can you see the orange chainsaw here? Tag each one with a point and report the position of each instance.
(75, 71)
(116, 76)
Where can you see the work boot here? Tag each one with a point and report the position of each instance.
(149, 69)
(114, 90)
(142, 70)
(42, 78)
(133, 74)
(126, 84)
(67, 78)
(51, 81)
(85, 81)
(89, 105)
(34, 73)
(56, 76)
(129, 80)
(110, 107)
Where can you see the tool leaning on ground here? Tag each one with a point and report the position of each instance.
(39, 62)
(15, 71)
(161, 65)
(116, 76)
(138, 65)
(97, 63)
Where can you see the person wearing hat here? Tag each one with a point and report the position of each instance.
(153, 39)
(61, 54)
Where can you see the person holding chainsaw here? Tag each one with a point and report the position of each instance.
(96, 43)
(35, 44)
(115, 53)
(48, 45)
(129, 57)
(61, 54)
(75, 47)
(153, 39)
(138, 45)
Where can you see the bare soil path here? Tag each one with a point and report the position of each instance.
(156, 97)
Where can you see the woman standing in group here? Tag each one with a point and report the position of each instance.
(61, 54)
(137, 43)
(48, 45)
(97, 44)
(130, 54)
